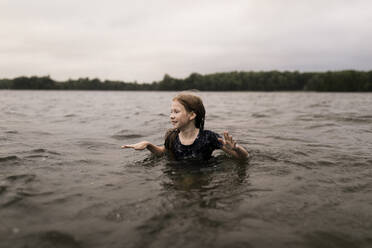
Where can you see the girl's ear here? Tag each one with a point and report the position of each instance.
(192, 116)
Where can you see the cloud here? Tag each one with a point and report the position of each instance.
(143, 40)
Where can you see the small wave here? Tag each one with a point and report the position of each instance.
(213, 117)
(11, 201)
(37, 156)
(366, 117)
(287, 139)
(70, 115)
(94, 210)
(51, 239)
(306, 164)
(26, 178)
(345, 117)
(129, 212)
(92, 144)
(358, 187)
(321, 104)
(11, 132)
(3, 188)
(309, 164)
(253, 190)
(42, 150)
(318, 145)
(339, 117)
(123, 131)
(146, 123)
(310, 117)
(280, 172)
(330, 239)
(259, 115)
(14, 113)
(357, 119)
(127, 136)
(29, 193)
(300, 153)
(321, 125)
(8, 158)
(40, 153)
(117, 216)
(62, 199)
(42, 133)
(263, 156)
(325, 163)
(85, 161)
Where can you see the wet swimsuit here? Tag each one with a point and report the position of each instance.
(204, 144)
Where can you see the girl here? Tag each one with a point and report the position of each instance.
(188, 139)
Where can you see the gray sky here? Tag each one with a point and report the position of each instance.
(144, 39)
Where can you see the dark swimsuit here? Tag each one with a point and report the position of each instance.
(202, 148)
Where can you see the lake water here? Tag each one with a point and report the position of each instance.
(65, 182)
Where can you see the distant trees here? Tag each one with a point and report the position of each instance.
(348, 80)
(35, 83)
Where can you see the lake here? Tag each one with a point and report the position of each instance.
(65, 182)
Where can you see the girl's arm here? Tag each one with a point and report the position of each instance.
(157, 150)
(230, 147)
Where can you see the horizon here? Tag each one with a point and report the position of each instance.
(179, 78)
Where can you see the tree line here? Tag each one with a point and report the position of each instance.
(333, 81)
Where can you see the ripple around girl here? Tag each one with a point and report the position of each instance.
(188, 139)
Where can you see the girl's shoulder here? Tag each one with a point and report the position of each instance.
(209, 133)
(211, 138)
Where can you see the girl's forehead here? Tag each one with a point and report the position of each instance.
(177, 104)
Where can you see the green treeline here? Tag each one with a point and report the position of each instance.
(343, 81)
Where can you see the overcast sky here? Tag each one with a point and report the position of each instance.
(144, 39)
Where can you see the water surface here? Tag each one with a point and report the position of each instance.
(65, 182)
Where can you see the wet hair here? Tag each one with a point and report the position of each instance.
(191, 103)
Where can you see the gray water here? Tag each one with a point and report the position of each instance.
(65, 182)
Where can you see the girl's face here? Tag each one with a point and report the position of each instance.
(179, 117)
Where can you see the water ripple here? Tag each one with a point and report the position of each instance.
(309, 172)
(9, 158)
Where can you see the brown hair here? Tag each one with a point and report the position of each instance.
(192, 103)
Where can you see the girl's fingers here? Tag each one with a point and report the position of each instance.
(228, 140)
(226, 135)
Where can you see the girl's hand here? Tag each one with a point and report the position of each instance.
(228, 141)
(230, 147)
(139, 146)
